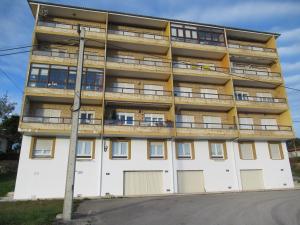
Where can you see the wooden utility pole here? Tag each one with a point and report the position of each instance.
(69, 189)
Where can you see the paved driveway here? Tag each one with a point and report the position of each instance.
(248, 208)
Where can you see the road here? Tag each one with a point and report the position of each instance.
(248, 208)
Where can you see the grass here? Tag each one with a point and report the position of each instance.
(31, 212)
(7, 183)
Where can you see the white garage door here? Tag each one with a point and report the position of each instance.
(252, 179)
(143, 182)
(190, 181)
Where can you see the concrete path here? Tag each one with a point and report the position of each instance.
(248, 208)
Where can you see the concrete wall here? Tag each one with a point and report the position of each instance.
(45, 178)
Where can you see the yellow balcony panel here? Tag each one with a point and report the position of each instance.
(137, 130)
(219, 102)
(57, 126)
(138, 97)
(63, 95)
(69, 30)
(276, 105)
(139, 41)
(252, 51)
(138, 66)
(260, 132)
(206, 131)
(53, 60)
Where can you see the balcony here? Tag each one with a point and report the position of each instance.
(206, 130)
(203, 100)
(147, 96)
(64, 58)
(70, 30)
(139, 40)
(138, 128)
(265, 132)
(184, 70)
(255, 75)
(129, 67)
(58, 125)
(254, 51)
(261, 104)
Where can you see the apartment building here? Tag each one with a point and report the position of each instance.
(167, 106)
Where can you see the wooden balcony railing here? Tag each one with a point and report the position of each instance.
(139, 91)
(147, 35)
(205, 125)
(70, 26)
(190, 66)
(139, 123)
(252, 48)
(58, 120)
(255, 72)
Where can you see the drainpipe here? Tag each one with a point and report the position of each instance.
(235, 164)
(172, 165)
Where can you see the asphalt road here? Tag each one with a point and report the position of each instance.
(248, 208)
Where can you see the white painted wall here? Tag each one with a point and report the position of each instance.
(45, 178)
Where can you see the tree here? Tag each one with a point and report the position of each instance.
(9, 127)
(6, 107)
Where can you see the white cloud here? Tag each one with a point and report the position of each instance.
(289, 67)
(290, 50)
(292, 35)
(245, 11)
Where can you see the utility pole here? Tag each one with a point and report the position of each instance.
(69, 189)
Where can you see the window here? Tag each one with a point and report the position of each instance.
(247, 150)
(209, 93)
(92, 79)
(246, 123)
(151, 89)
(85, 149)
(120, 149)
(269, 124)
(275, 150)
(154, 119)
(264, 97)
(241, 96)
(87, 117)
(125, 118)
(183, 92)
(217, 150)
(212, 122)
(47, 115)
(185, 150)
(185, 121)
(42, 147)
(123, 88)
(157, 149)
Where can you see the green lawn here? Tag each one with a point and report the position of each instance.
(29, 212)
(7, 183)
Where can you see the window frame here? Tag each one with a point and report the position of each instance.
(33, 145)
(225, 156)
(253, 149)
(92, 150)
(192, 157)
(111, 157)
(165, 150)
(280, 149)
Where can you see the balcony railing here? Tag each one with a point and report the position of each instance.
(51, 53)
(265, 127)
(70, 26)
(139, 123)
(147, 35)
(261, 99)
(190, 66)
(58, 120)
(63, 85)
(155, 63)
(255, 72)
(252, 48)
(202, 95)
(138, 91)
(205, 125)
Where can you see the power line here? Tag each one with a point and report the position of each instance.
(14, 53)
(15, 48)
(11, 80)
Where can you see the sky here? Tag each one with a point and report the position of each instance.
(280, 16)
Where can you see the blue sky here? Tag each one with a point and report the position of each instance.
(16, 24)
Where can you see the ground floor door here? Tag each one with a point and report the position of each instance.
(143, 182)
(190, 181)
(252, 179)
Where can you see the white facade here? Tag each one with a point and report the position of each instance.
(45, 178)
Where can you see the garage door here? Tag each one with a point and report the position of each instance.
(190, 181)
(252, 179)
(143, 182)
